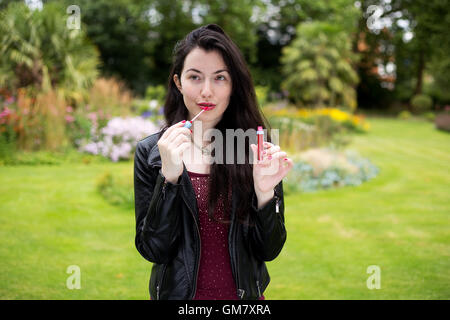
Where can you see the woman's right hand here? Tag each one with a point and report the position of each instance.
(171, 146)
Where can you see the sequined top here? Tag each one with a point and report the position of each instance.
(215, 279)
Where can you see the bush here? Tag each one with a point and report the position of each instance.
(110, 97)
(429, 116)
(261, 95)
(157, 93)
(421, 103)
(318, 67)
(117, 190)
(38, 119)
(305, 128)
(404, 115)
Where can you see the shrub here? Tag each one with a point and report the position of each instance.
(404, 115)
(305, 128)
(429, 116)
(157, 93)
(421, 103)
(261, 95)
(37, 120)
(110, 97)
(317, 66)
(116, 190)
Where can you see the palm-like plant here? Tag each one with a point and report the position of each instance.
(37, 49)
(318, 67)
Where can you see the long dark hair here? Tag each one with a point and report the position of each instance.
(242, 113)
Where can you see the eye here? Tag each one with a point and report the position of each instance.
(193, 76)
(221, 77)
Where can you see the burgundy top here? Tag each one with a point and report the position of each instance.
(215, 279)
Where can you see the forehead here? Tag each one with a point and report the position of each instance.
(204, 61)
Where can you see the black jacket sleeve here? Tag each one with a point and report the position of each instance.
(268, 235)
(157, 208)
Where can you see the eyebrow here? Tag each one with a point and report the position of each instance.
(218, 71)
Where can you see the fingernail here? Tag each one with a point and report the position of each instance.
(183, 121)
(264, 152)
(285, 159)
(190, 130)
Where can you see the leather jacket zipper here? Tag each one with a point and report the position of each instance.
(277, 205)
(163, 197)
(158, 287)
(240, 292)
(199, 251)
(164, 189)
(259, 290)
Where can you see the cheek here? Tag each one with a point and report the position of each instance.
(226, 94)
(189, 93)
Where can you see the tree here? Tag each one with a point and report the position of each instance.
(121, 32)
(276, 24)
(412, 34)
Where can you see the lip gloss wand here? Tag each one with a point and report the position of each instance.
(188, 124)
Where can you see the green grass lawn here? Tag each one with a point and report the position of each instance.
(52, 217)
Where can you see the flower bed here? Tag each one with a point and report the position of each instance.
(319, 169)
(118, 139)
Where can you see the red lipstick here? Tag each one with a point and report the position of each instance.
(206, 105)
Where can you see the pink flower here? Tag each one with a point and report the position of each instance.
(69, 118)
(92, 116)
(6, 112)
(69, 109)
(10, 99)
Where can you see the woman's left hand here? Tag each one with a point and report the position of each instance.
(268, 173)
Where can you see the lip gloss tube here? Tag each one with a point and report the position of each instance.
(260, 135)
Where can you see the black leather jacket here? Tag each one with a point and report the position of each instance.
(167, 231)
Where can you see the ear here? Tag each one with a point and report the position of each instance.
(177, 82)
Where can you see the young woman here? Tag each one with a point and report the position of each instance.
(208, 227)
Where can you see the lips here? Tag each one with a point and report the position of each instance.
(206, 105)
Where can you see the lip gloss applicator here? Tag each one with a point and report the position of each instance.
(188, 124)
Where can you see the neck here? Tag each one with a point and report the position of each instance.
(198, 132)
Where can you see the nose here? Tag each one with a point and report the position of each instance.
(206, 89)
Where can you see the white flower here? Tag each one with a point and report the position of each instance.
(120, 136)
(153, 104)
